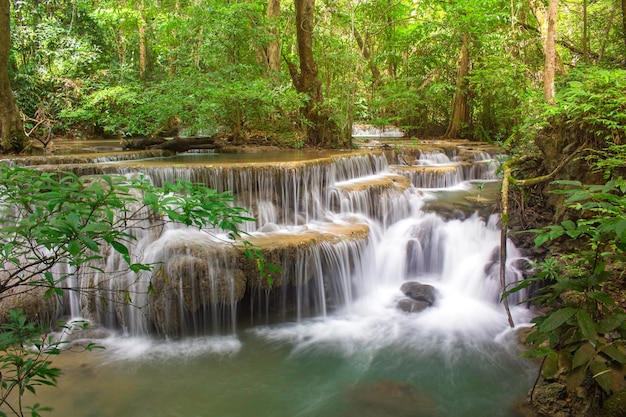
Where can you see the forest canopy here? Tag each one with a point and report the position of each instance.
(471, 69)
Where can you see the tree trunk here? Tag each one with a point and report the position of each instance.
(541, 14)
(460, 116)
(321, 131)
(143, 48)
(585, 31)
(273, 47)
(13, 138)
(624, 21)
(550, 53)
(607, 28)
(365, 52)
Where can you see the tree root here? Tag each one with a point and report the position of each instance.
(509, 179)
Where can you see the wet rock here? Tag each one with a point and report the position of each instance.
(388, 398)
(31, 301)
(409, 305)
(419, 292)
(552, 399)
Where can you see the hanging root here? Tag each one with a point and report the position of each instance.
(503, 239)
(508, 179)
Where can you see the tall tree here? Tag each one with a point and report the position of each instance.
(460, 116)
(550, 53)
(624, 21)
(11, 130)
(273, 47)
(321, 131)
(143, 43)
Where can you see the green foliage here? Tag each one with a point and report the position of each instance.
(586, 328)
(206, 66)
(592, 100)
(25, 353)
(199, 102)
(411, 108)
(24, 363)
(499, 90)
(589, 104)
(51, 218)
(609, 160)
(114, 109)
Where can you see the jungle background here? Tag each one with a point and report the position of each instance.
(471, 69)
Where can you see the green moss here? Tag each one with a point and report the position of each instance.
(614, 406)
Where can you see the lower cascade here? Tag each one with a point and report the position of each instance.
(384, 306)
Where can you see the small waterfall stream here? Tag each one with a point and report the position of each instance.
(328, 339)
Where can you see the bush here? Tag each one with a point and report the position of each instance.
(586, 327)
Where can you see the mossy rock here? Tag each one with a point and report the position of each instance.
(614, 406)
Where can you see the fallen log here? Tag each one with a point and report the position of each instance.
(179, 144)
(176, 144)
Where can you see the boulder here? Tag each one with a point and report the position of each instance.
(614, 406)
(419, 292)
(409, 305)
(31, 300)
(552, 399)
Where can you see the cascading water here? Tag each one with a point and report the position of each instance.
(329, 338)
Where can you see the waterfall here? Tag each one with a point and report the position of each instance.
(369, 131)
(343, 229)
(203, 333)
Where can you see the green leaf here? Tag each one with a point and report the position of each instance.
(617, 353)
(541, 239)
(568, 225)
(620, 229)
(600, 372)
(537, 352)
(611, 322)
(53, 291)
(74, 247)
(551, 366)
(89, 242)
(120, 248)
(556, 319)
(136, 267)
(555, 231)
(583, 355)
(575, 377)
(601, 298)
(587, 326)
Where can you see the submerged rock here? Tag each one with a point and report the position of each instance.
(388, 398)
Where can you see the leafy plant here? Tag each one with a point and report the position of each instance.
(25, 365)
(583, 334)
(591, 101)
(49, 218)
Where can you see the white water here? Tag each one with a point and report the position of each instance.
(368, 131)
(200, 286)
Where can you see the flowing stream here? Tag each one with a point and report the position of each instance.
(329, 340)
